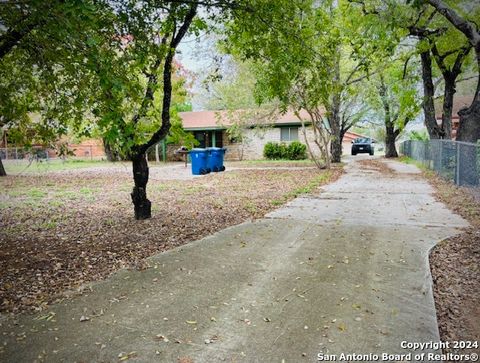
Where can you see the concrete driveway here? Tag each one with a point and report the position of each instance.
(344, 271)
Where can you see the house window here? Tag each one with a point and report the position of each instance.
(288, 133)
(209, 138)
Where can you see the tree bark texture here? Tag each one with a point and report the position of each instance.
(142, 206)
(447, 110)
(336, 129)
(390, 138)
(428, 105)
(336, 149)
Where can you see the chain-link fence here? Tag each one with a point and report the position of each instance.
(18, 153)
(453, 160)
(94, 151)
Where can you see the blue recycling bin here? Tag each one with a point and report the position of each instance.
(199, 158)
(215, 159)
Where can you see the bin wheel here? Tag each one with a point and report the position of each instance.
(204, 171)
(222, 168)
(215, 169)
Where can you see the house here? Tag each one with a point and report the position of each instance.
(210, 129)
(459, 102)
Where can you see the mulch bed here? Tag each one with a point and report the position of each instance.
(59, 232)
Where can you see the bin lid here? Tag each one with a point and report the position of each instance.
(215, 148)
(198, 150)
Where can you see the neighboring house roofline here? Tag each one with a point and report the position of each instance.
(209, 120)
(459, 102)
(205, 128)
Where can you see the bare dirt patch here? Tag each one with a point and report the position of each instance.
(61, 231)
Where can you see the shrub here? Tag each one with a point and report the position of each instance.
(293, 151)
(272, 151)
(296, 151)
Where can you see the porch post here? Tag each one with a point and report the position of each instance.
(164, 151)
(214, 138)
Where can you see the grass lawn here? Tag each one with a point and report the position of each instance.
(15, 167)
(61, 230)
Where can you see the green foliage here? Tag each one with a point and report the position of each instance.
(274, 151)
(292, 151)
(296, 151)
(392, 94)
(43, 83)
(178, 135)
(91, 68)
(236, 133)
(418, 135)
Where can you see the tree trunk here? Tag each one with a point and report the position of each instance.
(111, 154)
(2, 169)
(448, 94)
(469, 129)
(390, 138)
(336, 149)
(336, 130)
(142, 206)
(434, 130)
(334, 116)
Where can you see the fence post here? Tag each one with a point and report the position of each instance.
(157, 156)
(440, 153)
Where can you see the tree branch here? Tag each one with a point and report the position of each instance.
(12, 38)
(152, 81)
(457, 21)
(162, 132)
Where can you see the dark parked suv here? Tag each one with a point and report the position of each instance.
(362, 145)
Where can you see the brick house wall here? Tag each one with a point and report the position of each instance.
(256, 140)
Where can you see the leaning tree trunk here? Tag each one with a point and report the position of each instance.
(390, 138)
(2, 169)
(142, 206)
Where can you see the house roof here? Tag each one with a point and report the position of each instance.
(459, 102)
(211, 120)
(349, 136)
